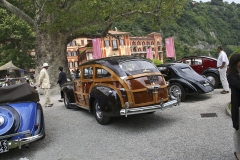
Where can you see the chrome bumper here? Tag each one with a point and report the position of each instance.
(21, 141)
(130, 111)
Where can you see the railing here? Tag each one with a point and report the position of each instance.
(13, 81)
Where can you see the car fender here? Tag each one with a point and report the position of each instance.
(211, 70)
(67, 89)
(184, 83)
(108, 100)
(39, 120)
(28, 114)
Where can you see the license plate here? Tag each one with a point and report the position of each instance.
(153, 78)
(3, 146)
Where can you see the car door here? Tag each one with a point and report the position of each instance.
(196, 64)
(83, 85)
(209, 63)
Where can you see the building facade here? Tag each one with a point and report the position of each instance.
(115, 43)
(139, 45)
(73, 50)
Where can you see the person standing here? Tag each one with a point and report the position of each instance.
(234, 82)
(8, 80)
(222, 64)
(62, 78)
(45, 84)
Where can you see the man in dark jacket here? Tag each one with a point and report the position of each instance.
(61, 80)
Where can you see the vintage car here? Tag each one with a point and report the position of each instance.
(118, 86)
(184, 80)
(205, 66)
(21, 116)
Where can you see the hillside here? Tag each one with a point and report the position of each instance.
(199, 30)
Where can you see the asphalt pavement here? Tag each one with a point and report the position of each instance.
(178, 133)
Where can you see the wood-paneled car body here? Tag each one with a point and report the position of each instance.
(205, 66)
(184, 80)
(21, 116)
(118, 86)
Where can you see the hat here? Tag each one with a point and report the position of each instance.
(45, 65)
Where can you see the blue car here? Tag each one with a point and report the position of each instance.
(21, 116)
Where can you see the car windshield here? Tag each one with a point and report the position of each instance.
(138, 67)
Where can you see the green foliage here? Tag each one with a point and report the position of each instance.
(17, 39)
(155, 61)
(199, 30)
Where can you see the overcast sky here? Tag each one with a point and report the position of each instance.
(229, 1)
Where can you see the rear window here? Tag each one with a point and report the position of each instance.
(138, 67)
(186, 71)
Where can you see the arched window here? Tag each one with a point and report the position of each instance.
(139, 49)
(152, 43)
(134, 49)
(138, 43)
(144, 48)
(148, 43)
(133, 43)
(143, 43)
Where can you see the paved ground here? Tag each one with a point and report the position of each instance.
(178, 133)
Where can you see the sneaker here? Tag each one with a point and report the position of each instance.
(60, 100)
(49, 105)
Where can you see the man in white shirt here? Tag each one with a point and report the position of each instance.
(222, 64)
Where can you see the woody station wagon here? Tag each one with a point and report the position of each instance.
(118, 86)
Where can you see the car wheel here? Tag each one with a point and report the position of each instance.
(44, 133)
(213, 78)
(9, 120)
(101, 119)
(176, 89)
(66, 101)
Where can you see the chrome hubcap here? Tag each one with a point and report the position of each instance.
(211, 79)
(98, 111)
(1, 120)
(175, 91)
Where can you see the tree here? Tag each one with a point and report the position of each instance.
(57, 22)
(17, 39)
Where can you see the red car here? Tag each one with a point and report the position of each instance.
(205, 66)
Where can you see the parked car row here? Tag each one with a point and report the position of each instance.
(108, 87)
(125, 85)
(203, 65)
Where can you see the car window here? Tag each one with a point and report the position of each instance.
(77, 74)
(188, 61)
(138, 67)
(102, 73)
(88, 72)
(186, 71)
(197, 61)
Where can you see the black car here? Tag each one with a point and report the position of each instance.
(203, 65)
(184, 80)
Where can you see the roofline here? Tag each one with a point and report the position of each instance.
(198, 57)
